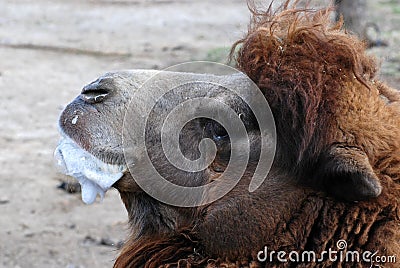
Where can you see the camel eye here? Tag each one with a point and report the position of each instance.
(217, 131)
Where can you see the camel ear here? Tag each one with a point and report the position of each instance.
(345, 173)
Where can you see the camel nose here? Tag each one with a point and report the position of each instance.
(96, 91)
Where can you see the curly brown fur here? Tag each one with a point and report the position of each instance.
(298, 57)
(391, 94)
(321, 87)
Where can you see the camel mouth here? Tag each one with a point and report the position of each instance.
(94, 175)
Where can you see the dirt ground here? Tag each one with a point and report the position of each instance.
(48, 51)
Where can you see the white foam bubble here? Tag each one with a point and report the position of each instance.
(75, 119)
(94, 176)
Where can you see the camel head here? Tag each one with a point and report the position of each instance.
(211, 121)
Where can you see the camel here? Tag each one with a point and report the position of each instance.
(333, 184)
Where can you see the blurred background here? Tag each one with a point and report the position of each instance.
(49, 49)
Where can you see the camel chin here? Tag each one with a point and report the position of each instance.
(94, 175)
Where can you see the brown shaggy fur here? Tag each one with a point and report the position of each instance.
(321, 86)
(323, 92)
(302, 63)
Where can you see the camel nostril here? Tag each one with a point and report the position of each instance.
(94, 94)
